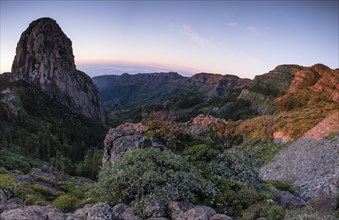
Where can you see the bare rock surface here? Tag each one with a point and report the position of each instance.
(44, 58)
(124, 137)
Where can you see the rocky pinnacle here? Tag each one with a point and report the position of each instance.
(44, 58)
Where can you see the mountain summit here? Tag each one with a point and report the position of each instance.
(44, 58)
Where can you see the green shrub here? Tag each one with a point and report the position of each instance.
(151, 133)
(35, 199)
(279, 184)
(68, 203)
(8, 184)
(38, 188)
(269, 211)
(199, 152)
(91, 164)
(275, 212)
(247, 197)
(145, 175)
(264, 150)
(237, 166)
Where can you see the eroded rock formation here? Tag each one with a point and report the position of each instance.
(124, 137)
(44, 58)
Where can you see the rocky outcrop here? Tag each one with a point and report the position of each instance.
(44, 58)
(205, 120)
(124, 137)
(202, 123)
(281, 137)
(328, 83)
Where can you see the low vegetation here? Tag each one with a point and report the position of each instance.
(145, 176)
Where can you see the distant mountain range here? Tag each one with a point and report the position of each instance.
(143, 92)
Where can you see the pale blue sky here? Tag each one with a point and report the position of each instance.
(244, 38)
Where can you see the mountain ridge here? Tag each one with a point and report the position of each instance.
(268, 93)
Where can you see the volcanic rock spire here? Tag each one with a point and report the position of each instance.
(44, 58)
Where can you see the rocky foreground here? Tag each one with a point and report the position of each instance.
(14, 209)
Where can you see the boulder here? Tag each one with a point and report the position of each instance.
(200, 212)
(80, 214)
(156, 209)
(125, 212)
(102, 211)
(57, 215)
(288, 200)
(14, 203)
(26, 213)
(122, 138)
(159, 218)
(177, 209)
(220, 217)
(3, 197)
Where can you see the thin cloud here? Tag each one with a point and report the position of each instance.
(232, 24)
(252, 28)
(188, 31)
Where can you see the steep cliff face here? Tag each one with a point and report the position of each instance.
(328, 83)
(44, 58)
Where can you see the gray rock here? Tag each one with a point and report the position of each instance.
(119, 140)
(80, 214)
(16, 214)
(3, 197)
(220, 217)
(25, 213)
(44, 58)
(121, 208)
(56, 215)
(14, 203)
(125, 212)
(159, 218)
(200, 212)
(25, 178)
(102, 211)
(177, 209)
(156, 209)
(288, 200)
(129, 216)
